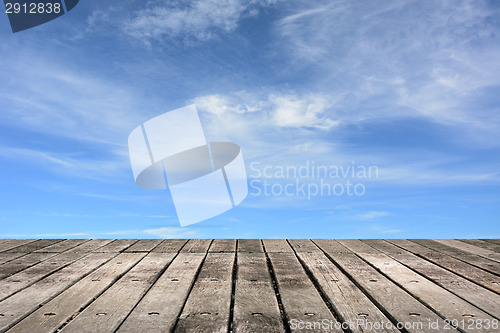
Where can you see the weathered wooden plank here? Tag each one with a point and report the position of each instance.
(144, 245)
(196, 246)
(454, 265)
(303, 245)
(33, 246)
(425, 290)
(207, 308)
(170, 246)
(55, 313)
(9, 244)
(7, 257)
(482, 298)
(90, 246)
(160, 307)
(108, 311)
(276, 245)
(484, 244)
(250, 245)
(223, 245)
(28, 300)
(23, 262)
(27, 277)
(473, 259)
(62, 246)
(116, 246)
(471, 249)
(396, 303)
(331, 246)
(301, 301)
(256, 307)
(491, 240)
(353, 307)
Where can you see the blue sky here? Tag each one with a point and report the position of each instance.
(410, 87)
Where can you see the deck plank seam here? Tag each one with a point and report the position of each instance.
(437, 263)
(459, 258)
(336, 314)
(435, 282)
(230, 323)
(84, 306)
(274, 281)
(449, 321)
(389, 316)
(198, 271)
(147, 290)
(57, 294)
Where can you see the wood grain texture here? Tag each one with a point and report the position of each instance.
(108, 311)
(208, 306)
(223, 245)
(26, 301)
(250, 245)
(466, 270)
(482, 298)
(396, 303)
(55, 313)
(256, 308)
(159, 309)
(420, 287)
(249, 285)
(301, 301)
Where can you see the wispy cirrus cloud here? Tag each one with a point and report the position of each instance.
(194, 19)
(401, 58)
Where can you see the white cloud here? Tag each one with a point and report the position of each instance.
(371, 215)
(401, 58)
(290, 111)
(199, 19)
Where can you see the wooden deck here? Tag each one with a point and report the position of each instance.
(249, 285)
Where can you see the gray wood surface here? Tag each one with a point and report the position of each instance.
(420, 287)
(144, 245)
(482, 298)
(471, 249)
(6, 257)
(109, 310)
(33, 246)
(27, 277)
(26, 301)
(56, 312)
(473, 259)
(256, 308)
(159, 309)
(484, 244)
(276, 245)
(8, 244)
(223, 245)
(250, 245)
(90, 246)
(170, 246)
(62, 246)
(208, 307)
(196, 246)
(249, 285)
(22, 262)
(348, 300)
(466, 270)
(301, 301)
(396, 303)
(118, 245)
